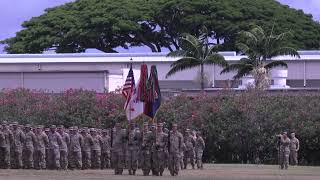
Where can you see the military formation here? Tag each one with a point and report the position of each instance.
(288, 150)
(152, 149)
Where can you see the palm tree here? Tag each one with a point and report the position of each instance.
(260, 50)
(195, 52)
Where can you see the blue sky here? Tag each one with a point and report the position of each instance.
(14, 12)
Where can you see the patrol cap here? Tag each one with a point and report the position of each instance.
(53, 126)
(60, 126)
(93, 130)
(46, 129)
(27, 126)
(39, 127)
(104, 131)
(15, 123)
(187, 130)
(4, 122)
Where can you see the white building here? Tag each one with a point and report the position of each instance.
(100, 72)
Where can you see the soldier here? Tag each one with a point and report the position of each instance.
(64, 147)
(47, 132)
(76, 142)
(29, 143)
(40, 148)
(189, 153)
(105, 150)
(55, 141)
(5, 146)
(160, 151)
(183, 149)
(294, 148)
(134, 141)
(2, 142)
(284, 150)
(119, 143)
(86, 148)
(200, 145)
(17, 145)
(175, 142)
(146, 146)
(96, 149)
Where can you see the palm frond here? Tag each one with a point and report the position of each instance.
(185, 63)
(243, 48)
(244, 71)
(177, 53)
(258, 33)
(281, 51)
(215, 59)
(274, 64)
(183, 60)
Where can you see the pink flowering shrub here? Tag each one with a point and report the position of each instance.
(242, 127)
(237, 127)
(72, 107)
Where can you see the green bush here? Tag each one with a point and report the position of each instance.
(238, 127)
(241, 127)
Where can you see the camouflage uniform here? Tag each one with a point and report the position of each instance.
(105, 150)
(47, 132)
(181, 162)
(86, 149)
(145, 151)
(175, 149)
(55, 141)
(160, 151)
(200, 145)
(17, 146)
(40, 149)
(76, 142)
(5, 146)
(294, 148)
(189, 153)
(118, 149)
(2, 142)
(284, 152)
(30, 142)
(64, 148)
(133, 150)
(96, 149)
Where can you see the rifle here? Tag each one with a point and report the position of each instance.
(169, 134)
(279, 144)
(111, 136)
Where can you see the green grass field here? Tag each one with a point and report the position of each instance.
(215, 172)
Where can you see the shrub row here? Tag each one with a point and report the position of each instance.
(238, 127)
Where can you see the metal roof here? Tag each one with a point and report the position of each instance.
(125, 57)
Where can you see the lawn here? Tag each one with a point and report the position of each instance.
(216, 172)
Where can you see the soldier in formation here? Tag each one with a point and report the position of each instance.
(284, 151)
(153, 149)
(294, 148)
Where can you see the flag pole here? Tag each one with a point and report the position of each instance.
(130, 110)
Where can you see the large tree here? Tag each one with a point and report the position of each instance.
(156, 24)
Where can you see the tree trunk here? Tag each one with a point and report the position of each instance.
(202, 77)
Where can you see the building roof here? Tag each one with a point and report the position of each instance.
(125, 57)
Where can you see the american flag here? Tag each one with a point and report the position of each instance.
(128, 87)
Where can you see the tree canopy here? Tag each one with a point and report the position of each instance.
(156, 24)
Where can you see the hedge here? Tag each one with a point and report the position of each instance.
(238, 127)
